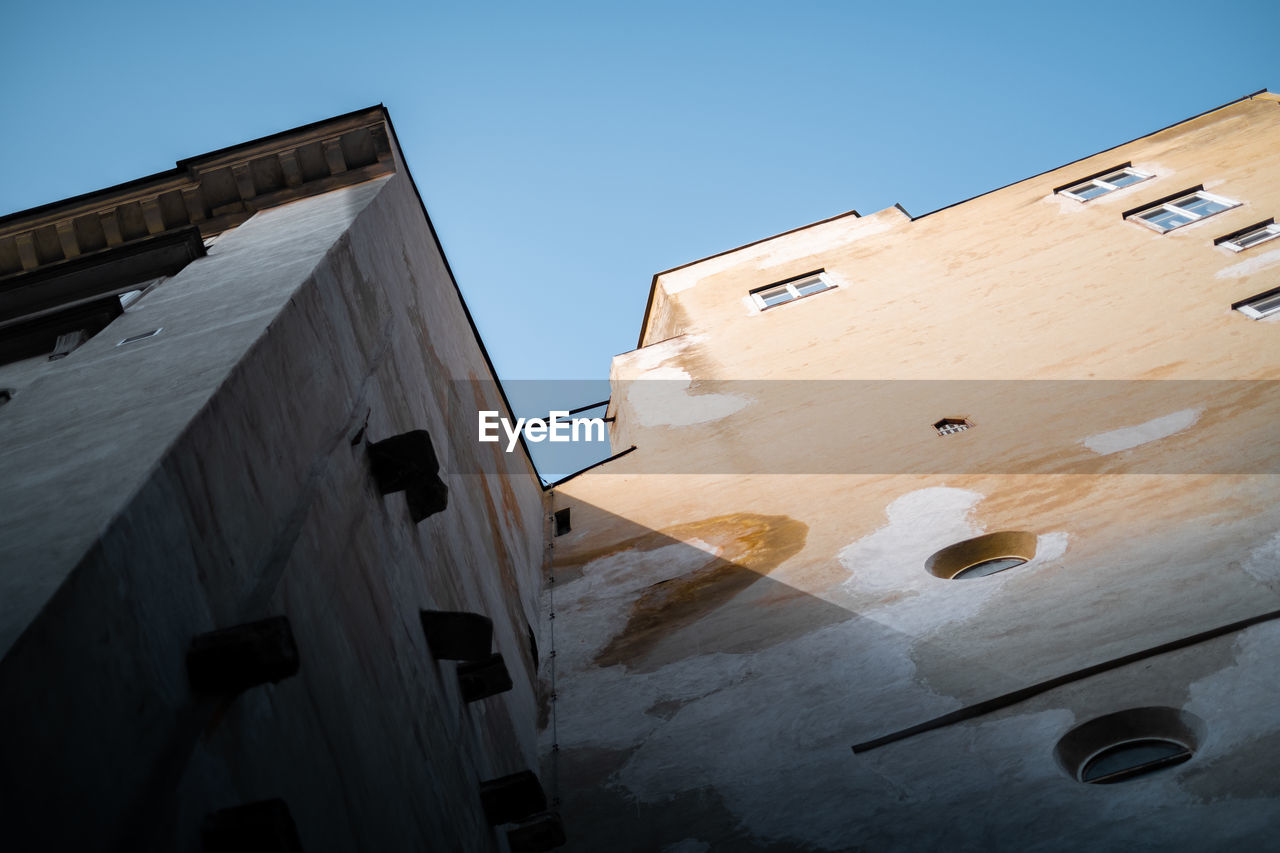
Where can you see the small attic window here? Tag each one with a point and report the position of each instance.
(1246, 238)
(791, 289)
(1262, 305)
(1181, 209)
(1103, 183)
(951, 426)
(562, 521)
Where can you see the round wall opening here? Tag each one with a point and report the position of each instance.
(1128, 744)
(983, 555)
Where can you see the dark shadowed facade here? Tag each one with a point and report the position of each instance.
(213, 455)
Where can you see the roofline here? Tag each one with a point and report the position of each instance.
(471, 323)
(653, 286)
(181, 166)
(644, 323)
(1096, 153)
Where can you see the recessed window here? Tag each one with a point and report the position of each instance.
(791, 290)
(1129, 744)
(562, 521)
(983, 555)
(1175, 212)
(1262, 305)
(1132, 758)
(951, 426)
(1107, 182)
(988, 567)
(1249, 237)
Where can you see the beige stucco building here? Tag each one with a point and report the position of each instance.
(761, 641)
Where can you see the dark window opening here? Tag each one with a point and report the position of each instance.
(988, 567)
(562, 521)
(533, 646)
(1129, 760)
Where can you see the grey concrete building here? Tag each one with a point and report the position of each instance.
(226, 406)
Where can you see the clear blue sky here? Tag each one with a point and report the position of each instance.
(568, 151)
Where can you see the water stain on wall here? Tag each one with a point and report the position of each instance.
(748, 547)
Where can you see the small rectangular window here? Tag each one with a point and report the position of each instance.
(791, 289)
(1251, 236)
(1262, 305)
(562, 521)
(1183, 209)
(1107, 182)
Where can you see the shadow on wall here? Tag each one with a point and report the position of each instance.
(695, 601)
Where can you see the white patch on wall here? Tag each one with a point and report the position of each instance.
(660, 397)
(1245, 693)
(887, 575)
(1263, 562)
(1249, 266)
(654, 355)
(1125, 438)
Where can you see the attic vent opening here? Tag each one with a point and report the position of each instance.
(562, 521)
(135, 338)
(951, 426)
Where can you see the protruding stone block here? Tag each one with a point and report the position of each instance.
(454, 635)
(481, 679)
(543, 832)
(407, 463)
(508, 799)
(235, 659)
(426, 499)
(262, 827)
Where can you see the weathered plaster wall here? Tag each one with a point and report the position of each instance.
(216, 474)
(726, 635)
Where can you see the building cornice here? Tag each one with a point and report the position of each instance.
(213, 192)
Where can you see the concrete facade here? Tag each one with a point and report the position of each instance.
(217, 473)
(752, 594)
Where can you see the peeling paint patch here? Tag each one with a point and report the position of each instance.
(887, 575)
(1256, 264)
(749, 547)
(1125, 438)
(1263, 562)
(661, 398)
(654, 355)
(1246, 693)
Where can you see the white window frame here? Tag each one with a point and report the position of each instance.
(1246, 307)
(1171, 206)
(1101, 180)
(1271, 229)
(790, 285)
